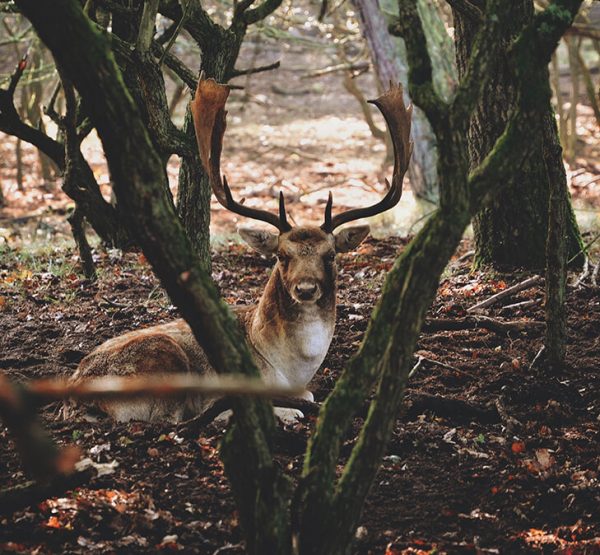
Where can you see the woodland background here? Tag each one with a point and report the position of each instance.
(488, 455)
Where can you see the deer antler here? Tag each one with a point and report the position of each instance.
(208, 110)
(397, 118)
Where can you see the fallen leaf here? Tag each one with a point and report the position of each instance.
(544, 458)
(517, 447)
(53, 522)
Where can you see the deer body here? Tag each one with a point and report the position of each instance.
(290, 329)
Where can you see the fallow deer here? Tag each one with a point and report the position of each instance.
(290, 329)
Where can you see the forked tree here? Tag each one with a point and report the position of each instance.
(322, 512)
(144, 58)
(511, 231)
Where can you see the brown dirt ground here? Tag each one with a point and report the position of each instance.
(453, 480)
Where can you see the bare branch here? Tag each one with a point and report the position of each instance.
(175, 32)
(467, 8)
(176, 65)
(409, 26)
(261, 12)
(147, 24)
(252, 70)
(11, 123)
(359, 67)
(526, 284)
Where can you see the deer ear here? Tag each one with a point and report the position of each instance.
(350, 237)
(261, 240)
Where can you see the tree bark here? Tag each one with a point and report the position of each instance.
(193, 199)
(556, 253)
(511, 232)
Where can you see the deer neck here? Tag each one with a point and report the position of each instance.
(291, 338)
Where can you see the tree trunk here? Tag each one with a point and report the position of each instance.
(389, 60)
(511, 232)
(556, 253)
(194, 192)
(193, 200)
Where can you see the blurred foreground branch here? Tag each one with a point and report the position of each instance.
(115, 387)
(56, 470)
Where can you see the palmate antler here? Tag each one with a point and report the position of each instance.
(398, 118)
(208, 110)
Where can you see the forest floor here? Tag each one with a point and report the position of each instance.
(487, 456)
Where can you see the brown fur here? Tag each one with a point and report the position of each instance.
(279, 331)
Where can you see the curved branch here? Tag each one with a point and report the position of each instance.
(261, 12)
(467, 8)
(420, 77)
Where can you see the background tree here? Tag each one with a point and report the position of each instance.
(512, 230)
(324, 510)
(143, 55)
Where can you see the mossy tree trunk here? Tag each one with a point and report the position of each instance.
(555, 342)
(324, 510)
(194, 192)
(510, 232)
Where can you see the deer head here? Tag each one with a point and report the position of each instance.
(306, 255)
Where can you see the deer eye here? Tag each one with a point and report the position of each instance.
(330, 257)
(283, 258)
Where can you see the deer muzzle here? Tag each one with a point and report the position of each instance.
(306, 291)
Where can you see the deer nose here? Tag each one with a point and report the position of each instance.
(306, 290)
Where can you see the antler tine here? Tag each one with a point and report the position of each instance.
(398, 120)
(208, 110)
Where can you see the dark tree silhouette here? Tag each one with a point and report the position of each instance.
(511, 231)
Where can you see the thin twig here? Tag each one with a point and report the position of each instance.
(471, 322)
(175, 32)
(538, 357)
(522, 304)
(418, 365)
(252, 70)
(529, 282)
(171, 385)
(585, 272)
(359, 66)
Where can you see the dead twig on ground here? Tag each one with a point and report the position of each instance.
(526, 284)
(115, 304)
(359, 67)
(520, 305)
(590, 270)
(537, 358)
(416, 367)
(448, 407)
(471, 322)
